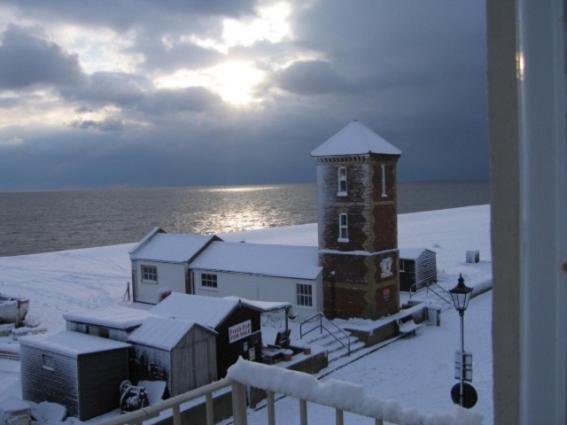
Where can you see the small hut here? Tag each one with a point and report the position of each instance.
(237, 324)
(418, 268)
(81, 372)
(179, 352)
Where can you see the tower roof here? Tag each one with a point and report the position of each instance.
(355, 139)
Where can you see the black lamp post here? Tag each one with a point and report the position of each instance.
(461, 295)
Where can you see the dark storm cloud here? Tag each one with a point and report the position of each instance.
(313, 77)
(124, 14)
(27, 60)
(413, 72)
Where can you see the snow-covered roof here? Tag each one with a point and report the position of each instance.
(411, 253)
(170, 247)
(263, 306)
(207, 311)
(115, 317)
(72, 344)
(162, 332)
(297, 262)
(355, 139)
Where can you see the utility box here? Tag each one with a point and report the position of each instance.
(473, 256)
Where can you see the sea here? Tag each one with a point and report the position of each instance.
(34, 222)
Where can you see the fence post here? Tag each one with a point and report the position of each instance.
(239, 404)
(271, 408)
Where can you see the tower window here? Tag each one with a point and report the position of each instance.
(342, 189)
(384, 194)
(343, 227)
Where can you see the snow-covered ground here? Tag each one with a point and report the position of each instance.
(417, 372)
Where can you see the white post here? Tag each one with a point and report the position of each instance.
(271, 409)
(210, 410)
(176, 415)
(239, 404)
(340, 417)
(303, 412)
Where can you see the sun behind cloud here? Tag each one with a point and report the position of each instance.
(234, 82)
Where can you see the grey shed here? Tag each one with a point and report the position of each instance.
(179, 352)
(81, 372)
(418, 268)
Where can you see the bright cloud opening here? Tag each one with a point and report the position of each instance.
(271, 24)
(234, 82)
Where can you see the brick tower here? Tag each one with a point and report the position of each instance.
(358, 243)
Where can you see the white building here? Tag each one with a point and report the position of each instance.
(205, 265)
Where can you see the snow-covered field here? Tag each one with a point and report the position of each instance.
(418, 372)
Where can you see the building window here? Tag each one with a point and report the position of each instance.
(342, 189)
(384, 194)
(47, 362)
(209, 280)
(304, 295)
(149, 274)
(402, 265)
(343, 227)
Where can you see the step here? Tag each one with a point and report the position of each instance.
(339, 354)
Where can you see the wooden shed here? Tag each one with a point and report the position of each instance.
(418, 268)
(237, 324)
(180, 352)
(81, 372)
(112, 322)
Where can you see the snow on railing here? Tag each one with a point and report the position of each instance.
(340, 395)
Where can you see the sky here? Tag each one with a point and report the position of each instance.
(98, 93)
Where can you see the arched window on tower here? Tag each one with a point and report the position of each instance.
(343, 227)
(342, 189)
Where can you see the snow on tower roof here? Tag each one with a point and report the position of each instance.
(207, 311)
(297, 262)
(115, 317)
(355, 139)
(170, 247)
(162, 332)
(72, 344)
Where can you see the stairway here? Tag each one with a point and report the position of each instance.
(328, 336)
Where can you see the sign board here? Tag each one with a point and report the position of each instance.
(470, 396)
(463, 366)
(239, 331)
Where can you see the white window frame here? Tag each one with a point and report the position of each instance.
(209, 280)
(144, 273)
(383, 168)
(343, 237)
(342, 179)
(304, 294)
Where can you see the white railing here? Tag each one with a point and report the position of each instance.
(339, 395)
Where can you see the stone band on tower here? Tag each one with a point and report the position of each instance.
(358, 244)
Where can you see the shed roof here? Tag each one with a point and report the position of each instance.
(162, 332)
(115, 317)
(170, 247)
(355, 139)
(263, 306)
(296, 262)
(412, 253)
(207, 311)
(72, 344)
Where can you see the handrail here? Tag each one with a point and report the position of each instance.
(321, 316)
(310, 319)
(443, 297)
